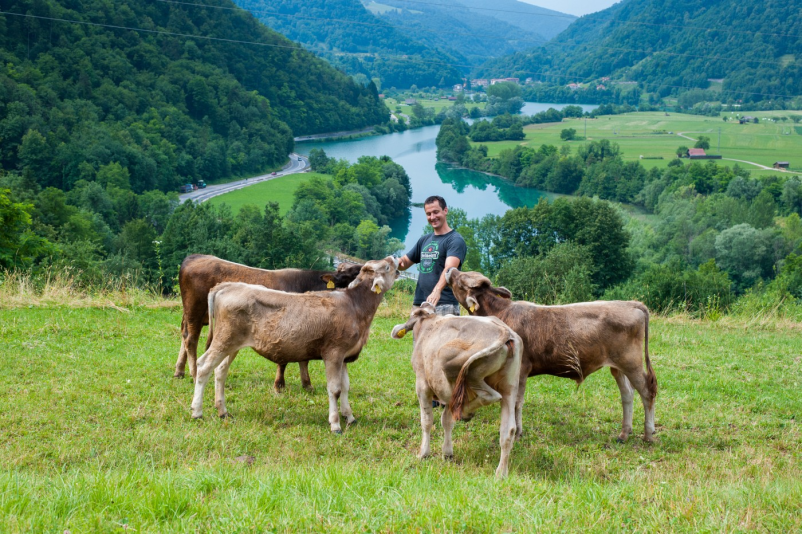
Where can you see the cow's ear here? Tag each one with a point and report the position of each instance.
(473, 305)
(329, 279)
(502, 292)
(399, 331)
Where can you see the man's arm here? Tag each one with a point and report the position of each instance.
(405, 263)
(434, 297)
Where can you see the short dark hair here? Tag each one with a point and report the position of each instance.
(436, 198)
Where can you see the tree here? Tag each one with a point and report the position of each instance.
(682, 151)
(19, 246)
(568, 134)
(703, 142)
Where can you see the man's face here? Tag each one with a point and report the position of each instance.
(435, 214)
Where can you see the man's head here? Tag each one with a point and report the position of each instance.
(436, 212)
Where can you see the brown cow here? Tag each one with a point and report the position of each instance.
(572, 341)
(288, 327)
(468, 362)
(200, 273)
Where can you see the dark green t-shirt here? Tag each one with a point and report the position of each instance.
(430, 253)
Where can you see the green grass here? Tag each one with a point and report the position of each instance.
(437, 105)
(279, 190)
(646, 134)
(96, 436)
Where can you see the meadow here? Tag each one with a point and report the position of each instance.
(656, 134)
(97, 435)
(279, 190)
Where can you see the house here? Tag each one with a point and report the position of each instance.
(781, 164)
(457, 88)
(410, 101)
(452, 98)
(480, 82)
(573, 86)
(696, 153)
(601, 87)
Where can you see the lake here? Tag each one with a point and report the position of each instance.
(476, 193)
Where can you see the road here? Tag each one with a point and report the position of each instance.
(297, 164)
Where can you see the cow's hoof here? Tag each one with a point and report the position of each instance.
(351, 421)
(278, 388)
(308, 387)
(448, 457)
(225, 416)
(338, 432)
(178, 375)
(650, 439)
(197, 417)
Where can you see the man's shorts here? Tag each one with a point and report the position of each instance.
(447, 309)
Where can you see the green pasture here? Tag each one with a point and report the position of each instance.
(655, 134)
(280, 189)
(97, 437)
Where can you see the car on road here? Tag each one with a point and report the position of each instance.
(186, 188)
(273, 173)
(200, 184)
(300, 159)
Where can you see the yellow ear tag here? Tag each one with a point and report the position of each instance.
(473, 309)
(377, 290)
(401, 333)
(330, 285)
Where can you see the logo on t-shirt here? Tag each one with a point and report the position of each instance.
(428, 257)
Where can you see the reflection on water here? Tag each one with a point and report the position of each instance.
(476, 193)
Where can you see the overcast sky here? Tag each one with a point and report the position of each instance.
(574, 7)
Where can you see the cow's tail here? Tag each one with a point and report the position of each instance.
(210, 302)
(651, 379)
(460, 393)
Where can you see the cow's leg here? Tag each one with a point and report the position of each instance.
(208, 362)
(306, 382)
(345, 406)
(507, 432)
(447, 421)
(278, 383)
(220, 375)
(640, 381)
(519, 405)
(181, 363)
(627, 395)
(193, 335)
(426, 417)
(334, 385)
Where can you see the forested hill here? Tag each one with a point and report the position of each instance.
(350, 37)
(475, 28)
(755, 46)
(170, 92)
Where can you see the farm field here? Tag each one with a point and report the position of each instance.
(97, 437)
(437, 105)
(647, 134)
(279, 190)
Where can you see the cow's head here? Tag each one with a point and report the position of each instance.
(468, 286)
(378, 275)
(343, 276)
(426, 310)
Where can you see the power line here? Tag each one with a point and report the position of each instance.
(298, 47)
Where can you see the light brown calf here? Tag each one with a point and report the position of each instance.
(287, 327)
(199, 273)
(468, 362)
(572, 341)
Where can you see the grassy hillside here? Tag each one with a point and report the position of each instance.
(655, 134)
(97, 437)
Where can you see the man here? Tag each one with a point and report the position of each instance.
(436, 253)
